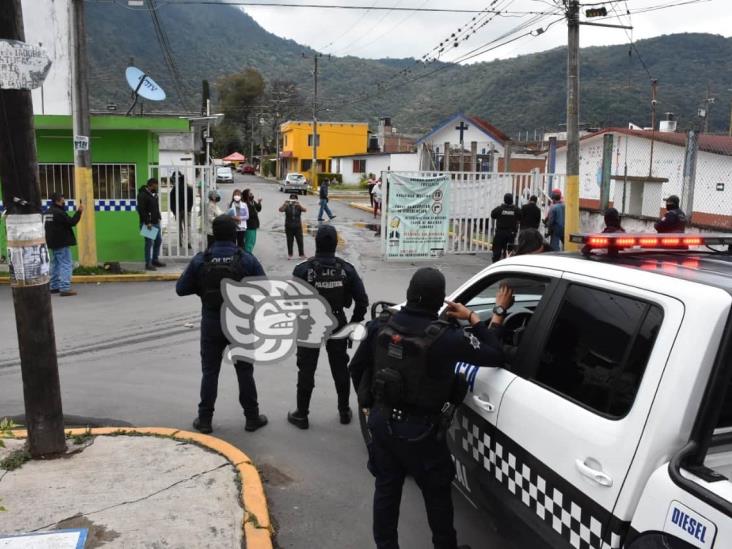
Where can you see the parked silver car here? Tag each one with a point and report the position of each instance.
(294, 183)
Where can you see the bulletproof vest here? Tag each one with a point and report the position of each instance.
(330, 281)
(216, 269)
(401, 376)
(508, 218)
(292, 215)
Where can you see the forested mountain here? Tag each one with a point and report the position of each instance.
(518, 94)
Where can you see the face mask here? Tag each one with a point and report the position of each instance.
(217, 199)
(237, 198)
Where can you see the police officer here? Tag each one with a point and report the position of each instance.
(338, 282)
(675, 219)
(405, 374)
(203, 276)
(507, 217)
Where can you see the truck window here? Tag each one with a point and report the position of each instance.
(598, 348)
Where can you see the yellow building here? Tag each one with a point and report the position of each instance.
(334, 139)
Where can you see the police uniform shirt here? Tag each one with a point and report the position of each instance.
(507, 217)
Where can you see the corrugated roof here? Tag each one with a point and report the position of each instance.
(717, 144)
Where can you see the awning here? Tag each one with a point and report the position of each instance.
(285, 154)
(234, 157)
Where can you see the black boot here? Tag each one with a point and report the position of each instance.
(202, 425)
(298, 419)
(345, 415)
(255, 423)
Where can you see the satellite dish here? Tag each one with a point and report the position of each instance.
(143, 85)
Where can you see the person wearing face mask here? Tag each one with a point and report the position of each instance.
(213, 210)
(675, 219)
(59, 238)
(240, 212)
(254, 207)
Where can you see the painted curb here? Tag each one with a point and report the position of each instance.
(257, 526)
(100, 279)
(360, 206)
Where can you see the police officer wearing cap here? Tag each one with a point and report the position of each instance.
(203, 276)
(338, 282)
(507, 217)
(405, 374)
(675, 219)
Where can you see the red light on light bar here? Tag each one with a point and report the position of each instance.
(670, 241)
(625, 242)
(693, 241)
(598, 241)
(651, 242)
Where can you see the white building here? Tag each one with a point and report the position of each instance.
(631, 156)
(353, 167)
(46, 24)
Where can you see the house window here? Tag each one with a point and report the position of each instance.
(359, 166)
(116, 181)
(310, 140)
(285, 139)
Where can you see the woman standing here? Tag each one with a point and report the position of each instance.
(254, 207)
(377, 195)
(239, 211)
(213, 210)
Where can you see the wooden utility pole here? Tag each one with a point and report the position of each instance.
(571, 213)
(314, 167)
(28, 257)
(83, 183)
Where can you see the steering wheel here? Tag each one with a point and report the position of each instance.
(515, 325)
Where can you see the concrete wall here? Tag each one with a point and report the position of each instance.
(46, 23)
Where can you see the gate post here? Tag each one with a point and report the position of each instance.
(607, 158)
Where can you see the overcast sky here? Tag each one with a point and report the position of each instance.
(378, 34)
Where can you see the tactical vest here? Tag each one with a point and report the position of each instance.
(330, 281)
(401, 377)
(292, 215)
(216, 269)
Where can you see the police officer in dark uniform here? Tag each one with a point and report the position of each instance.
(338, 282)
(507, 217)
(405, 374)
(675, 219)
(203, 276)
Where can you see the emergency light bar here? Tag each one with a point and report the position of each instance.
(665, 241)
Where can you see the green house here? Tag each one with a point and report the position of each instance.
(123, 148)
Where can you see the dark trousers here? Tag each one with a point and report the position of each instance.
(391, 458)
(240, 239)
(209, 240)
(371, 196)
(307, 363)
(294, 233)
(213, 343)
(501, 240)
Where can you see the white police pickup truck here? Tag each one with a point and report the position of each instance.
(610, 425)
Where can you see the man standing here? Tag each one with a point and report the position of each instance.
(324, 201)
(404, 372)
(59, 239)
(507, 217)
(293, 224)
(371, 181)
(181, 204)
(675, 219)
(149, 211)
(338, 282)
(530, 214)
(203, 278)
(554, 221)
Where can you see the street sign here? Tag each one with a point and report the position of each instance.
(81, 143)
(22, 66)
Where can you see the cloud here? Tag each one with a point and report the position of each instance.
(379, 34)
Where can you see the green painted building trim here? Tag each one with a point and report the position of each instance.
(157, 124)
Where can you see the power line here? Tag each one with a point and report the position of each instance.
(384, 16)
(348, 29)
(168, 58)
(391, 29)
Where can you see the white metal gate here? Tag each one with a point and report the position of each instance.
(183, 195)
(474, 194)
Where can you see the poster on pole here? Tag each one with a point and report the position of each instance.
(417, 216)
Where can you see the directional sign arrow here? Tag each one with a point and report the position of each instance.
(22, 66)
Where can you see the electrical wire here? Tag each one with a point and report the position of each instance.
(165, 47)
(391, 29)
(361, 36)
(348, 29)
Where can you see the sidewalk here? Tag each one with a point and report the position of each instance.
(136, 488)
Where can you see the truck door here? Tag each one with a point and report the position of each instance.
(476, 419)
(570, 423)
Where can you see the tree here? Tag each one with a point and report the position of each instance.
(285, 103)
(237, 95)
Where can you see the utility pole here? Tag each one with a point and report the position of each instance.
(708, 102)
(83, 183)
(729, 131)
(654, 84)
(314, 167)
(571, 222)
(28, 258)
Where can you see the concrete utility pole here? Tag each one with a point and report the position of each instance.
(729, 131)
(28, 257)
(571, 222)
(314, 167)
(83, 183)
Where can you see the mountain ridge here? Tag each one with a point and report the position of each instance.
(521, 93)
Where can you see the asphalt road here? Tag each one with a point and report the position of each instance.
(130, 353)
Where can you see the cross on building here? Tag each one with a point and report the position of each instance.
(461, 128)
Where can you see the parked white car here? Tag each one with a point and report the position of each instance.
(224, 175)
(294, 183)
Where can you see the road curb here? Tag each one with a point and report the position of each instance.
(362, 207)
(257, 527)
(100, 279)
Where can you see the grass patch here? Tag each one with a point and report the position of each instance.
(6, 426)
(80, 438)
(15, 460)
